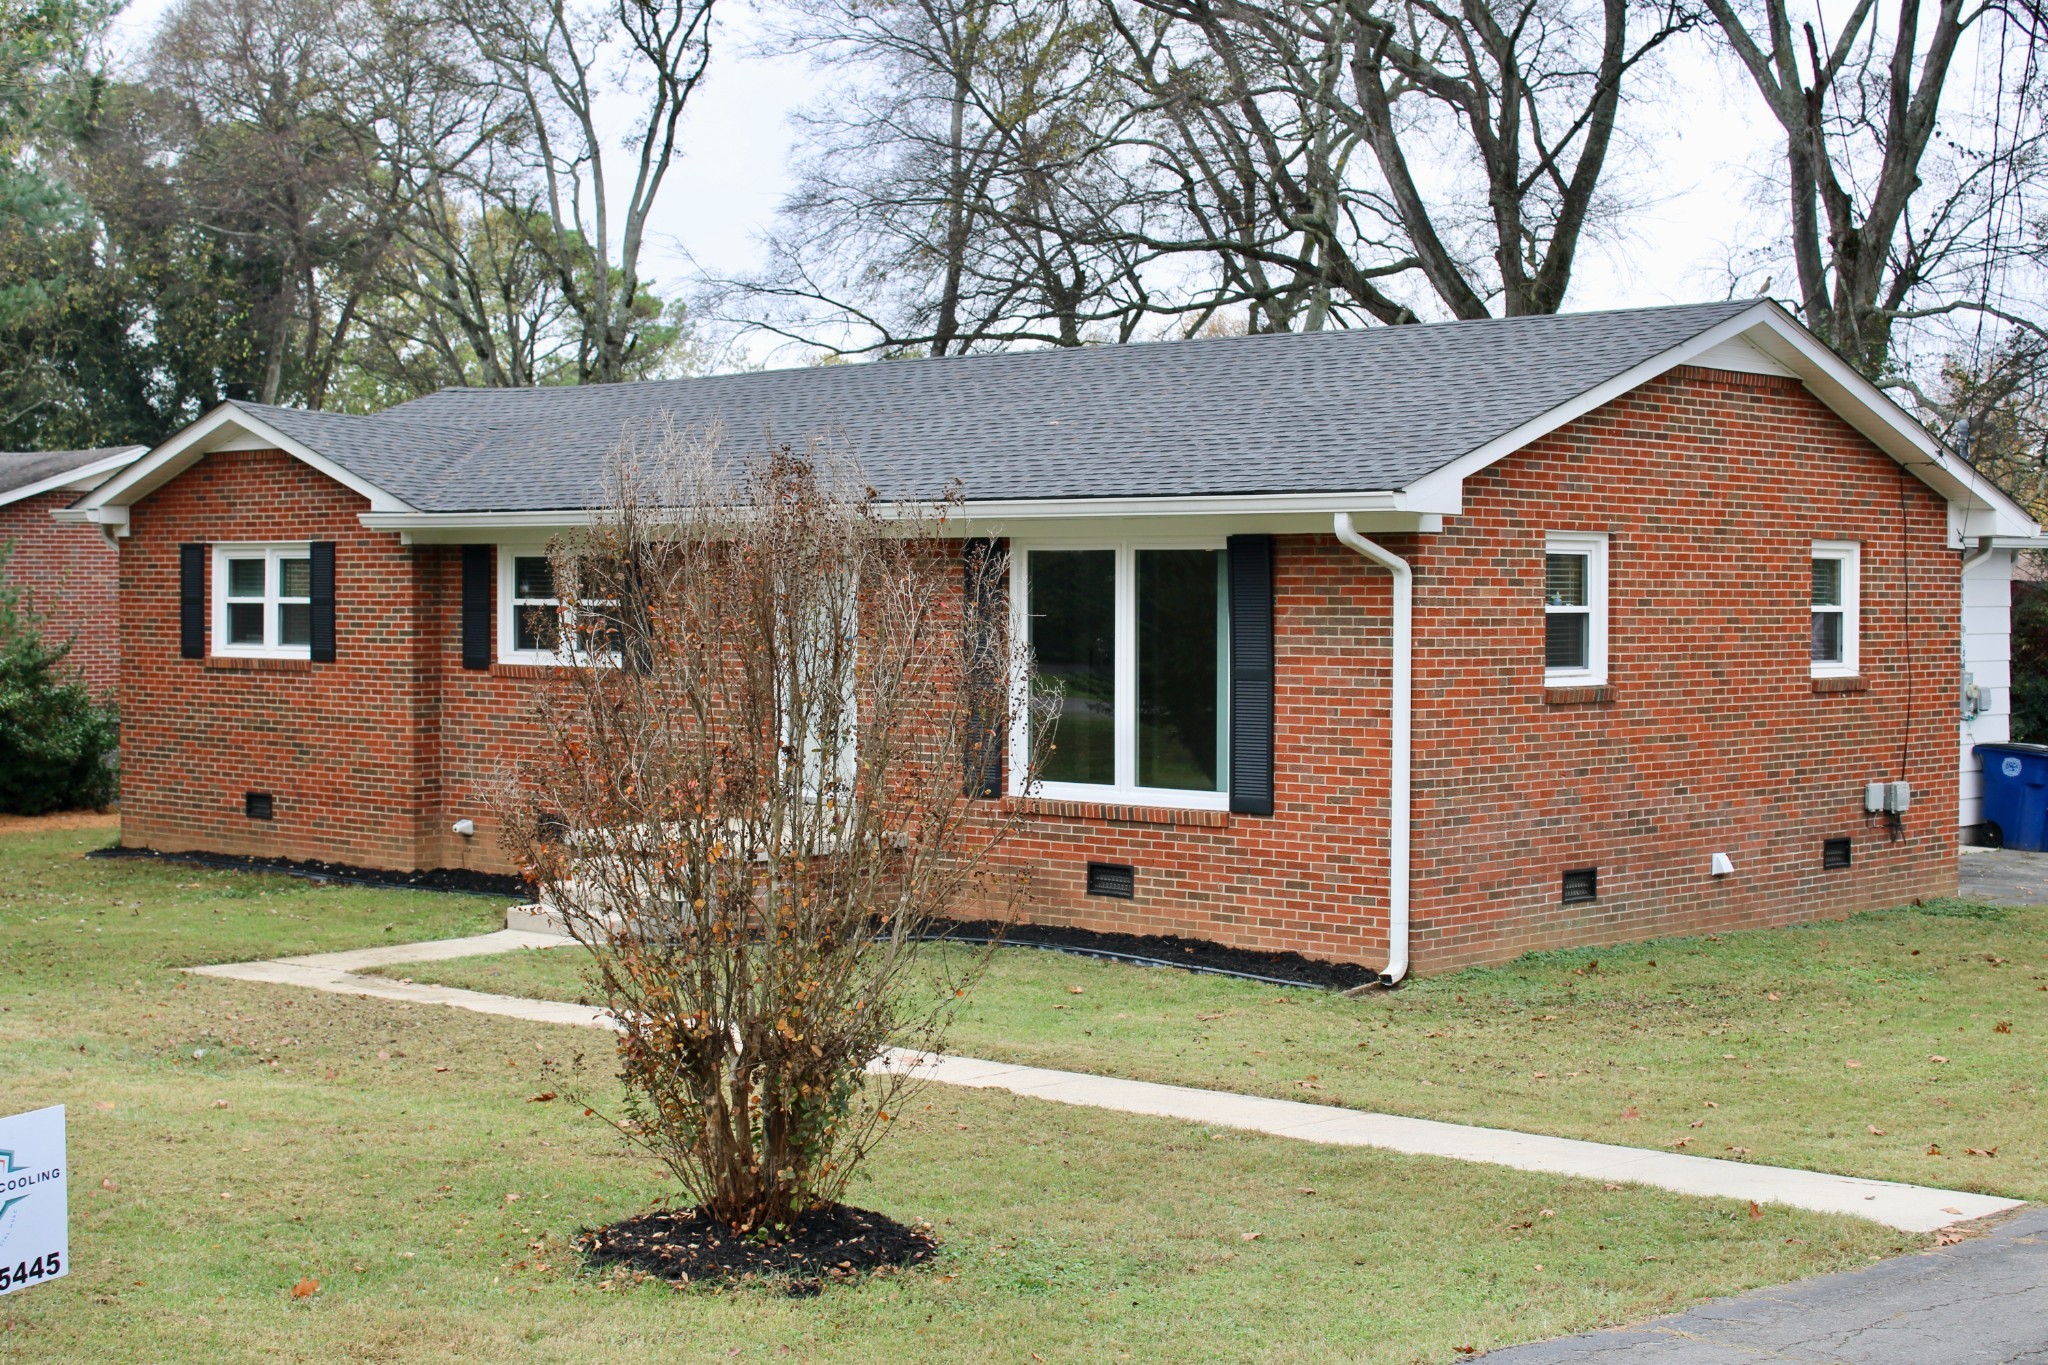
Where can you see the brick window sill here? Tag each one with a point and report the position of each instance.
(225, 663)
(1578, 696)
(1822, 686)
(524, 670)
(1116, 814)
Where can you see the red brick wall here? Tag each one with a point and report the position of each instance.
(69, 573)
(1711, 485)
(337, 745)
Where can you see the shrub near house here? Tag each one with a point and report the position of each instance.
(1682, 585)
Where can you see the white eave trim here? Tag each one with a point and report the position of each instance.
(1985, 510)
(1384, 510)
(82, 479)
(222, 428)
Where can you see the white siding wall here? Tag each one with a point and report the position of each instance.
(1987, 655)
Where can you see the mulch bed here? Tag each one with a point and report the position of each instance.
(834, 1242)
(1196, 954)
(457, 879)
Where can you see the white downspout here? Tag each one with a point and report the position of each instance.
(1400, 717)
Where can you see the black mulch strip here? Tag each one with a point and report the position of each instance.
(1197, 954)
(1286, 969)
(834, 1242)
(456, 879)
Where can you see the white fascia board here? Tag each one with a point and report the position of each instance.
(1978, 506)
(81, 479)
(1380, 510)
(223, 426)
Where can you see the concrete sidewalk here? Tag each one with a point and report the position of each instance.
(1983, 1300)
(1910, 1208)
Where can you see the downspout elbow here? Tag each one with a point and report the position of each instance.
(1981, 553)
(1400, 716)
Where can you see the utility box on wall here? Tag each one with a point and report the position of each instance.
(1893, 798)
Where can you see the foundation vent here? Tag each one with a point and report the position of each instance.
(1581, 884)
(1118, 880)
(1835, 853)
(257, 805)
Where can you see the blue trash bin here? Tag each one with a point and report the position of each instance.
(2016, 793)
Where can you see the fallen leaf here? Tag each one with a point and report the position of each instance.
(1947, 1238)
(1249, 1236)
(1075, 990)
(1771, 995)
(1303, 1189)
(382, 1055)
(1984, 1151)
(1739, 1151)
(1541, 1075)
(1683, 1142)
(1755, 1209)
(1957, 1212)
(1934, 1149)
(111, 1185)
(1874, 1130)
(1205, 1018)
(542, 1098)
(1307, 1085)
(1853, 1065)
(103, 1104)
(1697, 1123)
(440, 1068)
(220, 1104)
(2002, 1026)
(1711, 1105)
(306, 1288)
(1630, 1113)
(1936, 1057)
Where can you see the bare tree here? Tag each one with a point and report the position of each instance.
(950, 183)
(1884, 223)
(556, 61)
(754, 818)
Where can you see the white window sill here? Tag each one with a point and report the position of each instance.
(555, 661)
(1164, 798)
(304, 652)
(1554, 678)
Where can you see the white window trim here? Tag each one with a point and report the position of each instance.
(1850, 553)
(270, 552)
(508, 620)
(1593, 545)
(1125, 790)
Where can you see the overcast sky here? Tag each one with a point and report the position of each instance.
(1699, 142)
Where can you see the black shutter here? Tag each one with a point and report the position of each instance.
(986, 601)
(477, 568)
(1251, 675)
(192, 601)
(323, 601)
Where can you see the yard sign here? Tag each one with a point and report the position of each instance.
(35, 1222)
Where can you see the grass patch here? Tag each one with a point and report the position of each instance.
(1782, 1046)
(396, 1155)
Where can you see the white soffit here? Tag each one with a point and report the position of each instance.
(1738, 354)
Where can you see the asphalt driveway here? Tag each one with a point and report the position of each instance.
(2005, 876)
(1983, 1300)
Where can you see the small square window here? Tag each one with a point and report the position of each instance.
(1836, 853)
(1581, 884)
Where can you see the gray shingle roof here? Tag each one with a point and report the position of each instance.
(20, 468)
(1347, 411)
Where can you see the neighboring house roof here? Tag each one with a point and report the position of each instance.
(28, 473)
(1229, 423)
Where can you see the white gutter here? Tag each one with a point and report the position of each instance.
(1400, 716)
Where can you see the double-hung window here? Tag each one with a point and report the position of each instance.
(1134, 641)
(1574, 609)
(263, 601)
(1837, 589)
(535, 625)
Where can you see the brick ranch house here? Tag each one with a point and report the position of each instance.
(1419, 645)
(69, 573)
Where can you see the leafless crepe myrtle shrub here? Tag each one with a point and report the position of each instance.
(751, 803)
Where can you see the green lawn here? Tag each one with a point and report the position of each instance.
(1785, 1046)
(228, 1139)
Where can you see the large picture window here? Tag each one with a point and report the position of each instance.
(1134, 639)
(1574, 609)
(263, 600)
(1837, 587)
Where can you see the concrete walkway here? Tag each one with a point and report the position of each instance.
(1910, 1208)
(1985, 1299)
